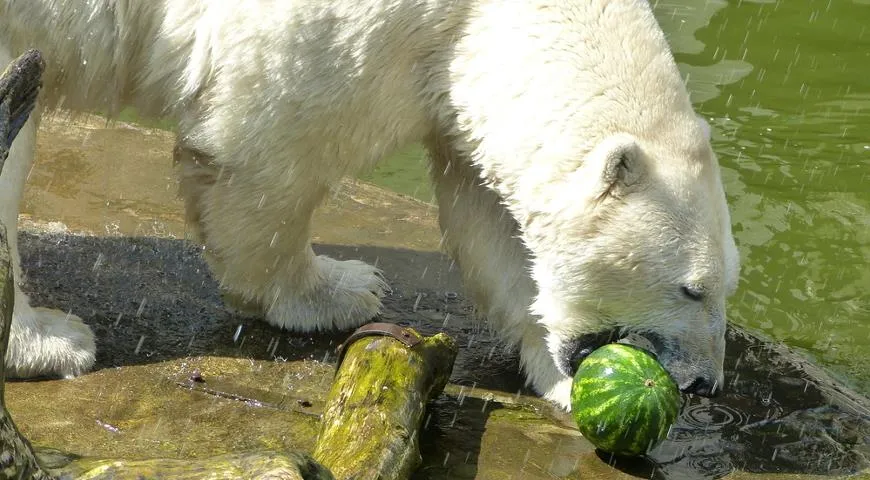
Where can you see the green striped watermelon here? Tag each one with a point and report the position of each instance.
(623, 400)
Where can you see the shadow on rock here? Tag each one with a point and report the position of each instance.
(152, 300)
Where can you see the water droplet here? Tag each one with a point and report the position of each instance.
(236, 335)
(139, 345)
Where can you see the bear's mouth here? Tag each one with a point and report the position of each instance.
(681, 370)
(574, 351)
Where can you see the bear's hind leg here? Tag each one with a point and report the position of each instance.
(483, 238)
(255, 226)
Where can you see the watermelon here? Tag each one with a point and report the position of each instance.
(623, 400)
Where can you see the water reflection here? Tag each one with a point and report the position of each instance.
(711, 417)
(783, 85)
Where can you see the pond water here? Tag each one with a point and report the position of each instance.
(786, 88)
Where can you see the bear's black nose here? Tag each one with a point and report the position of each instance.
(703, 387)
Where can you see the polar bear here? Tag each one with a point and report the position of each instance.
(576, 187)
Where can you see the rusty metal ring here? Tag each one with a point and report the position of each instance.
(407, 336)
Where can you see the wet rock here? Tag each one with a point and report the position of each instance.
(264, 388)
(838, 441)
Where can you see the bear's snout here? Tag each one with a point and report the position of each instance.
(692, 371)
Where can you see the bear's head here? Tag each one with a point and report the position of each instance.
(640, 250)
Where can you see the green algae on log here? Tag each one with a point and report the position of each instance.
(19, 86)
(372, 417)
(17, 459)
(253, 465)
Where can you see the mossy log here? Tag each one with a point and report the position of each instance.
(371, 421)
(19, 86)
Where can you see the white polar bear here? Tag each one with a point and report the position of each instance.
(577, 189)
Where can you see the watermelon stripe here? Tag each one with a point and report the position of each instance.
(605, 406)
(595, 383)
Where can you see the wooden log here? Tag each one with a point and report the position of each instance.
(371, 421)
(17, 459)
(19, 85)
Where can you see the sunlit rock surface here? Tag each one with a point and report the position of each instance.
(179, 377)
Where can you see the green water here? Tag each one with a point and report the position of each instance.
(406, 173)
(786, 86)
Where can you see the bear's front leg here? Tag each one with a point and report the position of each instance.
(256, 226)
(337, 294)
(482, 237)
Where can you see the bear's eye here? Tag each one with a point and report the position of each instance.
(692, 293)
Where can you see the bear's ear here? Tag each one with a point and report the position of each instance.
(618, 161)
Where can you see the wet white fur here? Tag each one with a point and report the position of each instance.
(511, 97)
